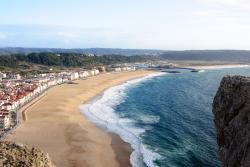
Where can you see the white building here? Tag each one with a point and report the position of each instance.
(96, 72)
(2, 75)
(8, 106)
(59, 80)
(42, 75)
(132, 68)
(4, 122)
(51, 83)
(90, 54)
(16, 76)
(118, 69)
(91, 72)
(83, 74)
(124, 68)
(74, 76)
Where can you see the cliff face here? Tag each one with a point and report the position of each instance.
(13, 155)
(231, 110)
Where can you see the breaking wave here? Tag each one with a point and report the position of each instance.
(101, 111)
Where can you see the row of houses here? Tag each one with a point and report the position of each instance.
(119, 69)
(10, 76)
(2, 75)
(16, 93)
(74, 75)
(12, 96)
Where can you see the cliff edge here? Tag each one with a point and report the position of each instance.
(231, 108)
(14, 155)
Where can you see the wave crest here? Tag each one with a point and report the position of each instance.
(101, 112)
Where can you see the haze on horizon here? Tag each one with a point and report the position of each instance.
(158, 24)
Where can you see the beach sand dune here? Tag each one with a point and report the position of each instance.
(55, 125)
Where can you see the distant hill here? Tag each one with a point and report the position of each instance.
(208, 55)
(190, 55)
(96, 51)
(65, 60)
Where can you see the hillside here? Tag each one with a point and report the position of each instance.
(185, 55)
(96, 51)
(65, 59)
(14, 155)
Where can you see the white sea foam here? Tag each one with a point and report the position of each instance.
(149, 157)
(101, 111)
(149, 119)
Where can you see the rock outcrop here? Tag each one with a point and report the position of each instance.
(14, 155)
(231, 110)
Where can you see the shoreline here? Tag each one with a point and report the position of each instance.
(68, 137)
(222, 66)
(99, 111)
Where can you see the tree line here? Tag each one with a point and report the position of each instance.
(66, 59)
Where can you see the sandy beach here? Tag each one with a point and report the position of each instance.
(55, 125)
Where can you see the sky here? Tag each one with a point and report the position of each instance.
(142, 24)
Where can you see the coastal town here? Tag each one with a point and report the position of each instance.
(17, 91)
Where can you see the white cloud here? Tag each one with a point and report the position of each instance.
(243, 4)
(2, 36)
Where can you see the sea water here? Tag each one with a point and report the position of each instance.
(166, 118)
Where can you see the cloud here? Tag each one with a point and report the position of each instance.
(243, 4)
(2, 36)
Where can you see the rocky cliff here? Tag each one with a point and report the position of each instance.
(231, 110)
(14, 155)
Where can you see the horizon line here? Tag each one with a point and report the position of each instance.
(151, 49)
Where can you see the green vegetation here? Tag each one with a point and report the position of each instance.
(63, 60)
(8, 61)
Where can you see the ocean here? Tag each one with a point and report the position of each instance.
(166, 118)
